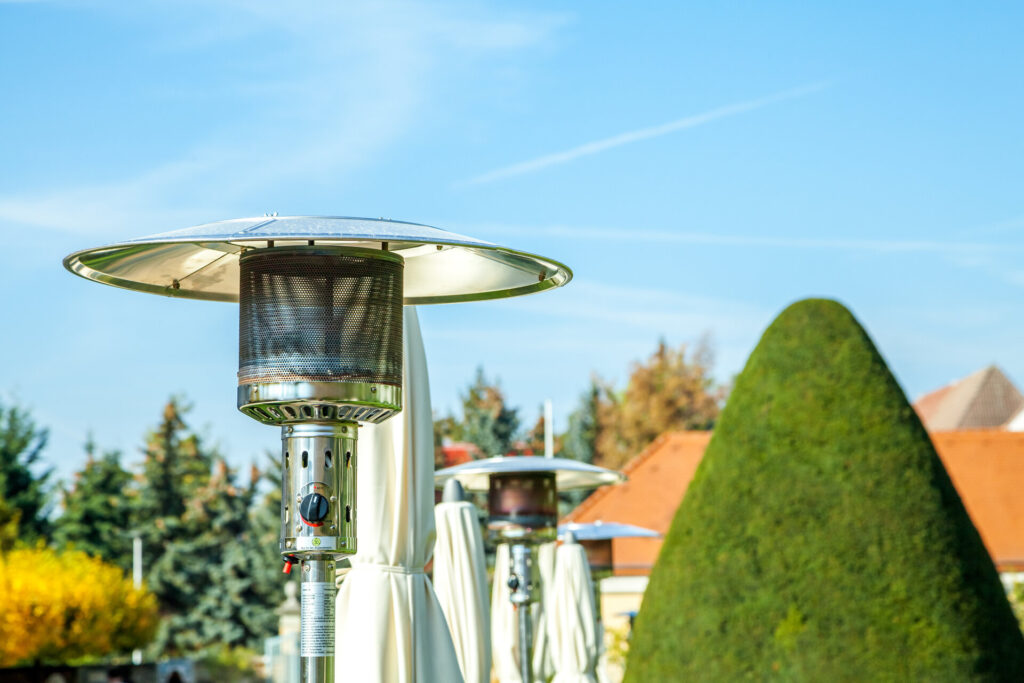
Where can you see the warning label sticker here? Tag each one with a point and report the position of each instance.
(316, 543)
(316, 637)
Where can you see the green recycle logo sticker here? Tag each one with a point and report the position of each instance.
(316, 541)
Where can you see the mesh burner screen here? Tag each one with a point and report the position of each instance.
(320, 314)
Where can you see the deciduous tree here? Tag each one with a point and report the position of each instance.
(672, 390)
(59, 607)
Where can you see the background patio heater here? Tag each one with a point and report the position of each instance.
(320, 349)
(522, 510)
(596, 538)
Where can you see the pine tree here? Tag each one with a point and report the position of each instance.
(175, 469)
(821, 538)
(209, 570)
(486, 420)
(23, 486)
(212, 557)
(580, 440)
(9, 518)
(176, 465)
(673, 390)
(264, 552)
(97, 510)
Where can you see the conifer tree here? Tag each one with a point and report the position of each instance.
(580, 440)
(23, 486)
(175, 468)
(9, 518)
(176, 465)
(821, 538)
(97, 509)
(486, 420)
(210, 588)
(263, 552)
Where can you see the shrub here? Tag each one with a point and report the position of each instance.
(821, 538)
(63, 607)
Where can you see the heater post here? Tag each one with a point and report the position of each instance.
(316, 619)
(521, 582)
(317, 526)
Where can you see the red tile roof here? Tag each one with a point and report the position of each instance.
(458, 453)
(658, 478)
(986, 466)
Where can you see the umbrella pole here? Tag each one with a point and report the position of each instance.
(520, 582)
(316, 637)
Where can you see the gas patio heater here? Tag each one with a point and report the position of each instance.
(320, 349)
(522, 510)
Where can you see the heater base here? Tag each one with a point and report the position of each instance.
(318, 490)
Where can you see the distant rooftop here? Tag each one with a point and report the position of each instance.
(986, 399)
(986, 466)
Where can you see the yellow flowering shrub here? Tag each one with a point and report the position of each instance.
(62, 607)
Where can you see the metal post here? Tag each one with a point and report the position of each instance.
(549, 430)
(520, 581)
(137, 582)
(316, 621)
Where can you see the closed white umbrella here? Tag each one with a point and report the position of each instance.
(573, 616)
(389, 624)
(460, 579)
(504, 627)
(543, 664)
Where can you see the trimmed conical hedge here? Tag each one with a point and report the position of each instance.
(821, 538)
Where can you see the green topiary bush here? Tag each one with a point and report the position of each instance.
(821, 538)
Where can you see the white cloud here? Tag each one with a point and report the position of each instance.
(632, 136)
(961, 250)
(360, 76)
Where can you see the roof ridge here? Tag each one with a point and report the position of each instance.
(985, 376)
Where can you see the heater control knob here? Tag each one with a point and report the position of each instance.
(313, 509)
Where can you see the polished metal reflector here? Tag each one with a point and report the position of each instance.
(310, 314)
(203, 262)
(569, 474)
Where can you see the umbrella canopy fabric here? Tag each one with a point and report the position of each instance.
(460, 579)
(573, 615)
(504, 629)
(543, 664)
(390, 626)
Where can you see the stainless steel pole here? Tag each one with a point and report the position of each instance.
(525, 643)
(316, 621)
(137, 583)
(520, 581)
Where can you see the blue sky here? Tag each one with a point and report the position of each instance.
(699, 167)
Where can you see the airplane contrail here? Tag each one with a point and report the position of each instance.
(644, 134)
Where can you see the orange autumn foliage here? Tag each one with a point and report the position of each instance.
(61, 607)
